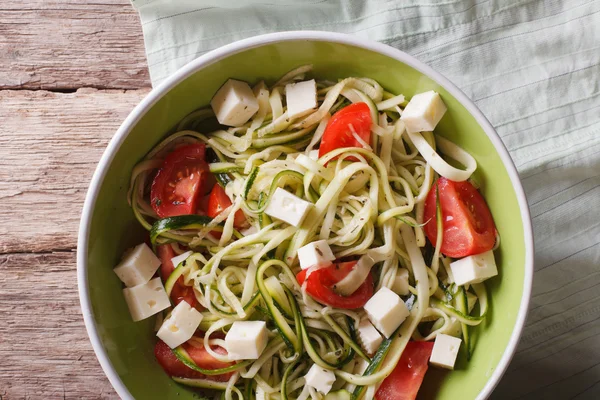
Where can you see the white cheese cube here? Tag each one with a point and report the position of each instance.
(138, 266)
(180, 326)
(178, 259)
(315, 253)
(234, 103)
(400, 285)
(287, 207)
(313, 155)
(369, 337)
(474, 269)
(445, 350)
(320, 378)
(300, 97)
(386, 311)
(246, 340)
(146, 299)
(423, 112)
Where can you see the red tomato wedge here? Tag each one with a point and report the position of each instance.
(180, 181)
(467, 221)
(172, 366)
(218, 201)
(320, 285)
(180, 291)
(405, 380)
(339, 130)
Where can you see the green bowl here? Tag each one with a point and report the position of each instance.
(108, 227)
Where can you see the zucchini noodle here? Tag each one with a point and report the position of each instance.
(365, 200)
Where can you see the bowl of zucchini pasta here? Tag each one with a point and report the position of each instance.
(305, 215)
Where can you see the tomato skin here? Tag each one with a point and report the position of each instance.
(173, 367)
(338, 134)
(180, 181)
(405, 380)
(467, 221)
(181, 292)
(218, 201)
(320, 284)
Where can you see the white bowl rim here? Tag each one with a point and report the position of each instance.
(259, 41)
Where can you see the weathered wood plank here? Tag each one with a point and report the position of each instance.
(49, 146)
(57, 44)
(44, 349)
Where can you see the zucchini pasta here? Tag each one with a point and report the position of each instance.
(310, 238)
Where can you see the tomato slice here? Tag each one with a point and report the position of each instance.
(405, 380)
(172, 366)
(320, 285)
(181, 292)
(218, 201)
(179, 182)
(467, 221)
(339, 130)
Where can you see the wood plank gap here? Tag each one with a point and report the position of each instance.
(57, 44)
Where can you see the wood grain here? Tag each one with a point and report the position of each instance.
(54, 44)
(51, 138)
(50, 144)
(44, 351)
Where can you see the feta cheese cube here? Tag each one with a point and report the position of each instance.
(400, 285)
(146, 299)
(180, 326)
(138, 266)
(287, 207)
(386, 311)
(246, 340)
(300, 97)
(178, 259)
(369, 337)
(445, 350)
(320, 378)
(423, 112)
(315, 253)
(474, 269)
(234, 103)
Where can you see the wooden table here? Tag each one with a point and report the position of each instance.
(70, 72)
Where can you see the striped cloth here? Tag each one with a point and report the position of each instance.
(532, 67)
